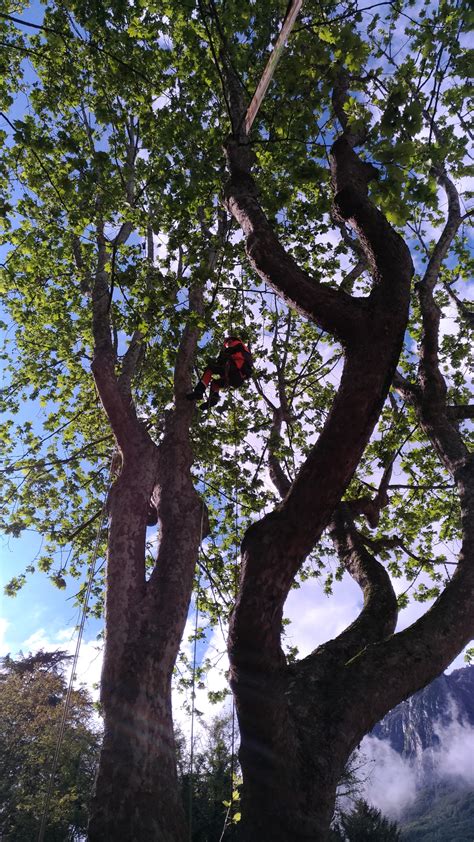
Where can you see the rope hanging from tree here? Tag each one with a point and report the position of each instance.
(193, 688)
(235, 578)
(67, 703)
(194, 666)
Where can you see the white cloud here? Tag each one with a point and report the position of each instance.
(89, 663)
(455, 757)
(391, 783)
(3, 629)
(316, 618)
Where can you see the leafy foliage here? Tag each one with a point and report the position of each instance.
(120, 121)
(32, 698)
(364, 823)
(208, 786)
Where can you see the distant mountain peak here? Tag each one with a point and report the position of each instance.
(415, 724)
(422, 756)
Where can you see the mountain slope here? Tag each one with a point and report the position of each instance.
(415, 725)
(432, 733)
(440, 815)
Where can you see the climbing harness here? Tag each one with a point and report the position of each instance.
(233, 367)
(239, 365)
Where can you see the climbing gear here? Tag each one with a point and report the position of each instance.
(198, 392)
(212, 400)
(239, 362)
(233, 367)
(68, 699)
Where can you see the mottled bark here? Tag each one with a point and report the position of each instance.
(299, 723)
(289, 716)
(136, 797)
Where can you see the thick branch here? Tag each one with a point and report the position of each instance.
(270, 260)
(351, 277)
(449, 231)
(277, 474)
(371, 507)
(415, 656)
(339, 97)
(461, 411)
(120, 413)
(333, 310)
(379, 616)
(382, 246)
(129, 365)
(466, 312)
(86, 280)
(430, 377)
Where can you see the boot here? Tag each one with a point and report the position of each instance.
(198, 392)
(212, 400)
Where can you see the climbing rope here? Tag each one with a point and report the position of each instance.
(228, 815)
(194, 662)
(67, 703)
(193, 694)
(236, 573)
(193, 686)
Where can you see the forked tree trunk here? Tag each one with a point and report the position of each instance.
(299, 723)
(137, 797)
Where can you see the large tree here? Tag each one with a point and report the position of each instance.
(132, 193)
(33, 693)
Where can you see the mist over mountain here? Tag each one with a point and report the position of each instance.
(420, 761)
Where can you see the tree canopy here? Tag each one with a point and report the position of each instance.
(134, 244)
(125, 122)
(32, 698)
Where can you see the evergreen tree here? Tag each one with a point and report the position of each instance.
(367, 824)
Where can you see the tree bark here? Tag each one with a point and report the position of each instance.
(290, 716)
(144, 619)
(300, 722)
(144, 625)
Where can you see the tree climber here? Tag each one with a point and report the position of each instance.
(233, 367)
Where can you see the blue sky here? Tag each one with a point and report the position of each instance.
(40, 613)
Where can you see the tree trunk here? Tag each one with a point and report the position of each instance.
(137, 797)
(299, 723)
(144, 625)
(296, 735)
